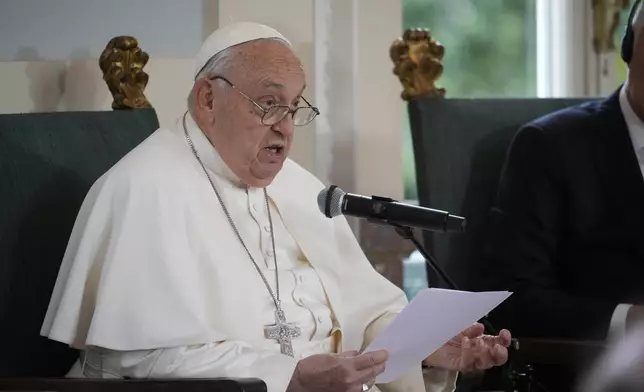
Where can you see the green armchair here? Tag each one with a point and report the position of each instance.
(48, 162)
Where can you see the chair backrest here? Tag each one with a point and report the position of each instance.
(48, 162)
(460, 147)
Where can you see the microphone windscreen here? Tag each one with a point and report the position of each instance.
(330, 201)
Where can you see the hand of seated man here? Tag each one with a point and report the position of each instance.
(345, 372)
(471, 350)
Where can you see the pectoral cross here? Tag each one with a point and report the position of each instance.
(282, 332)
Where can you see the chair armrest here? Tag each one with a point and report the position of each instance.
(133, 385)
(562, 352)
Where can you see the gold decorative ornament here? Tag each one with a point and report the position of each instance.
(122, 63)
(606, 20)
(418, 64)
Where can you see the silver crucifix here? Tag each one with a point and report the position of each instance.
(282, 332)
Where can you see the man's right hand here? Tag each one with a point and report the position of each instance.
(345, 372)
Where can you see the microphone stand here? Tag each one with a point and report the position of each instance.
(517, 378)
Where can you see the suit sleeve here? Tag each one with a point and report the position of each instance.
(527, 228)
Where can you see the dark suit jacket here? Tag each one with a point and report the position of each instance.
(567, 232)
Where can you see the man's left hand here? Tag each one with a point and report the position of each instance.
(471, 350)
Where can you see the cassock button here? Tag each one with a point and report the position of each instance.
(320, 319)
(269, 253)
(267, 229)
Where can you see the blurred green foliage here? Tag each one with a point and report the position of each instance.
(619, 33)
(490, 51)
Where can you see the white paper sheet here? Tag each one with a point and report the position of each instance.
(432, 318)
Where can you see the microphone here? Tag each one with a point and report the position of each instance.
(333, 202)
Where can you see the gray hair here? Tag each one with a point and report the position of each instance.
(217, 65)
(621, 368)
(220, 64)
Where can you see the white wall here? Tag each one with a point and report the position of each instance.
(49, 51)
(380, 108)
(359, 137)
(79, 29)
(50, 86)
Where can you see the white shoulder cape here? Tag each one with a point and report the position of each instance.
(144, 266)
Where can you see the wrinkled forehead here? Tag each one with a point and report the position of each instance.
(268, 64)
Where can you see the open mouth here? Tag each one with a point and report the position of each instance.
(275, 148)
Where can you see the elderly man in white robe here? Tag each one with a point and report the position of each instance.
(202, 253)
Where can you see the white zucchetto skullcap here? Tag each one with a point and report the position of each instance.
(231, 35)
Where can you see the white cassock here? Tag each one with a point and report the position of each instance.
(155, 283)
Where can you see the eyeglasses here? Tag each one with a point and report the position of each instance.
(302, 115)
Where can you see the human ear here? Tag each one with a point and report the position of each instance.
(204, 94)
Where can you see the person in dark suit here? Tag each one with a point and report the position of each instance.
(566, 233)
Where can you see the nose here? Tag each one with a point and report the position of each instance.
(285, 126)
